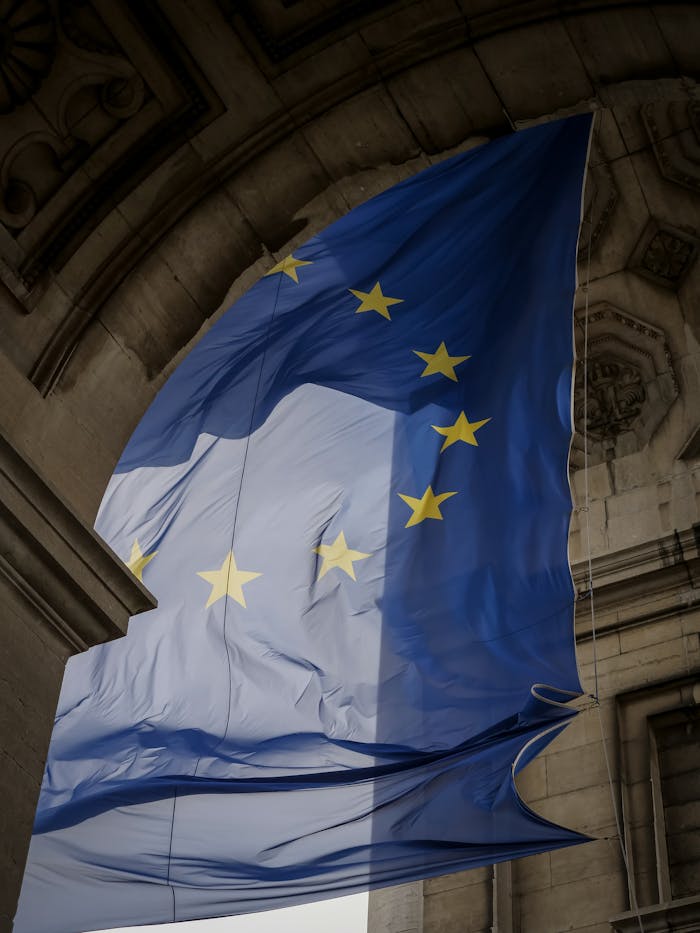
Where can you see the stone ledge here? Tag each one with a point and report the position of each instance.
(640, 584)
(680, 916)
(76, 584)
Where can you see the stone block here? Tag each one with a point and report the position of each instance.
(535, 69)
(589, 810)
(578, 905)
(459, 879)
(599, 483)
(685, 880)
(153, 315)
(532, 780)
(597, 857)
(360, 187)
(532, 873)
(447, 99)
(163, 188)
(633, 527)
(458, 909)
(396, 909)
(678, 23)
(209, 248)
(613, 44)
(361, 133)
(316, 81)
(576, 768)
(271, 190)
(604, 646)
(418, 26)
(653, 633)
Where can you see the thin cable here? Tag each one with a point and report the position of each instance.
(631, 886)
(586, 486)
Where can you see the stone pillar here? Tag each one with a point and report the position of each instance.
(62, 590)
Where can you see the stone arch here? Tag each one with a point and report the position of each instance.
(325, 113)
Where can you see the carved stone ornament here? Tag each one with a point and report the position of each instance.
(664, 254)
(674, 130)
(628, 388)
(92, 95)
(614, 398)
(27, 49)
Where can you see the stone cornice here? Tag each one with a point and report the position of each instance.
(640, 584)
(77, 586)
(682, 916)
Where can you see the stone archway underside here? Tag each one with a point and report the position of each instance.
(165, 154)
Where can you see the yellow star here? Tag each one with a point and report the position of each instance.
(428, 506)
(289, 266)
(441, 362)
(375, 301)
(338, 555)
(138, 560)
(461, 430)
(228, 580)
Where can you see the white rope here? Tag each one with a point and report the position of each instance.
(589, 581)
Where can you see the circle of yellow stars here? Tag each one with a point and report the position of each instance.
(229, 580)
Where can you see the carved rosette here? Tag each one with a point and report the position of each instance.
(664, 254)
(629, 386)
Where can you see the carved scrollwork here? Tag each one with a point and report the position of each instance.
(122, 97)
(27, 49)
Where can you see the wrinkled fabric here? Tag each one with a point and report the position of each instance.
(329, 728)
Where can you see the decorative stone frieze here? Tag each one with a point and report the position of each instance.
(664, 254)
(629, 386)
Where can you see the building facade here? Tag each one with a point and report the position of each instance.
(156, 159)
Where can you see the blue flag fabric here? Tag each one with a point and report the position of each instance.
(351, 501)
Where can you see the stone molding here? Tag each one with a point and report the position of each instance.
(681, 916)
(641, 584)
(77, 586)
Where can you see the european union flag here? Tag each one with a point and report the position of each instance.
(351, 501)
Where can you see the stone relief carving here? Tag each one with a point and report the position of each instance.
(664, 254)
(629, 388)
(674, 130)
(615, 393)
(88, 94)
(81, 123)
